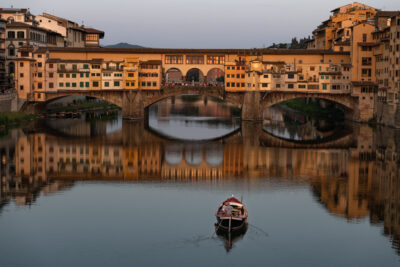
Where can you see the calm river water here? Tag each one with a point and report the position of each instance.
(100, 191)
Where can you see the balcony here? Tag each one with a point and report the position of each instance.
(130, 68)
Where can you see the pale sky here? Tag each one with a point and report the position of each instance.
(196, 23)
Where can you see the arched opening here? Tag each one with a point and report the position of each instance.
(195, 77)
(193, 117)
(216, 77)
(81, 116)
(173, 76)
(306, 120)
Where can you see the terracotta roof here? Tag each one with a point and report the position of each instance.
(13, 10)
(192, 51)
(388, 14)
(94, 31)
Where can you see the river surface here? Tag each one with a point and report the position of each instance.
(102, 191)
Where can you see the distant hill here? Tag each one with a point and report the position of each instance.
(123, 45)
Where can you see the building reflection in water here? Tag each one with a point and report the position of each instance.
(355, 176)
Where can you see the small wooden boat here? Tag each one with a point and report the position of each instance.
(231, 215)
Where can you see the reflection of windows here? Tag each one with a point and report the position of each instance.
(173, 59)
(216, 60)
(194, 59)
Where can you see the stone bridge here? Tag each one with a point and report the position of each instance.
(252, 103)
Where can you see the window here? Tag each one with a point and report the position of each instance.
(11, 35)
(228, 84)
(21, 75)
(81, 75)
(132, 83)
(67, 75)
(364, 37)
(291, 76)
(291, 86)
(74, 67)
(61, 75)
(265, 85)
(148, 83)
(127, 84)
(21, 64)
(324, 86)
(39, 64)
(40, 86)
(302, 86)
(366, 72)
(11, 51)
(312, 68)
(194, 59)
(81, 84)
(97, 74)
(96, 66)
(131, 74)
(87, 75)
(51, 65)
(173, 59)
(366, 61)
(51, 74)
(86, 84)
(73, 84)
(21, 87)
(67, 84)
(143, 84)
(106, 84)
(216, 60)
(265, 76)
(61, 85)
(40, 75)
(85, 66)
(95, 84)
(73, 75)
(154, 84)
(51, 85)
(116, 83)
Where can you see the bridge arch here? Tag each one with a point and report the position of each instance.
(173, 75)
(215, 76)
(345, 101)
(194, 75)
(111, 98)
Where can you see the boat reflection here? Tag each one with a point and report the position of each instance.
(230, 238)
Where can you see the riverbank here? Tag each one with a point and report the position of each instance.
(313, 109)
(14, 118)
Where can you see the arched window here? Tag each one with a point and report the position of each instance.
(11, 50)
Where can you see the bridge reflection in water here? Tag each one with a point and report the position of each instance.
(353, 176)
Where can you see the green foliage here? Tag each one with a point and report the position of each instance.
(314, 110)
(82, 106)
(12, 118)
(295, 44)
(220, 79)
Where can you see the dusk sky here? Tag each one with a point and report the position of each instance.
(196, 23)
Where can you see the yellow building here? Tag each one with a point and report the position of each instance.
(131, 73)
